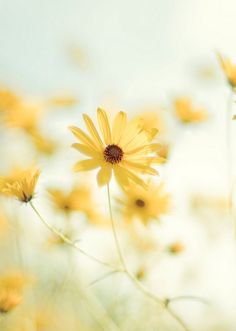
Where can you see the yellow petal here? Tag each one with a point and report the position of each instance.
(104, 125)
(118, 126)
(132, 130)
(83, 137)
(121, 176)
(84, 149)
(141, 167)
(104, 175)
(93, 131)
(150, 148)
(134, 178)
(86, 165)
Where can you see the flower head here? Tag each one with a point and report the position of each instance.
(11, 290)
(123, 149)
(20, 184)
(79, 199)
(186, 113)
(229, 70)
(145, 204)
(8, 100)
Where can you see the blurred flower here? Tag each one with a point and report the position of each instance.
(125, 149)
(62, 101)
(151, 117)
(176, 247)
(8, 99)
(79, 199)
(143, 204)
(78, 55)
(206, 72)
(23, 115)
(204, 204)
(186, 113)
(11, 289)
(229, 70)
(20, 184)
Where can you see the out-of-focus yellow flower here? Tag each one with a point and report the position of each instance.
(42, 144)
(206, 203)
(8, 99)
(125, 149)
(176, 247)
(151, 118)
(62, 101)
(23, 115)
(20, 184)
(145, 205)
(11, 290)
(229, 70)
(186, 113)
(78, 55)
(79, 199)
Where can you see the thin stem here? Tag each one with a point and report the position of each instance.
(122, 260)
(66, 239)
(136, 282)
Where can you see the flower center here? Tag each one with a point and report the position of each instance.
(113, 154)
(140, 203)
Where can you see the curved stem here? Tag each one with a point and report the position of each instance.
(66, 239)
(162, 302)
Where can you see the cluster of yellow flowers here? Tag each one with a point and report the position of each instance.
(128, 151)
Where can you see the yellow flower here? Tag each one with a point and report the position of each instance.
(11, 290)
(20, 184)
(229, 70)
(125, 149)
(145, 205)
(152, 117)
(62, 101)
(186, 113)
(79, 199)
(8, 99)
(176, 247)
(23, 115)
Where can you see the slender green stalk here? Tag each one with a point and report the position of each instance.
(66, 239)
(162, 302)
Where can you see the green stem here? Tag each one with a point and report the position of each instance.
(66, 239)
(162, 302)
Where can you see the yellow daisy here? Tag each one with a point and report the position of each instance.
(146, 204)
(186, 113)
(123, 149)
(20, 184)
(229, 70)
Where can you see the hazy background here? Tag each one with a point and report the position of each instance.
(136, 53)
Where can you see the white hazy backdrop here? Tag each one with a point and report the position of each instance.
(138, 53)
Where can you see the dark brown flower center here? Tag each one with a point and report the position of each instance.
(113, 154)
(140, 203)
